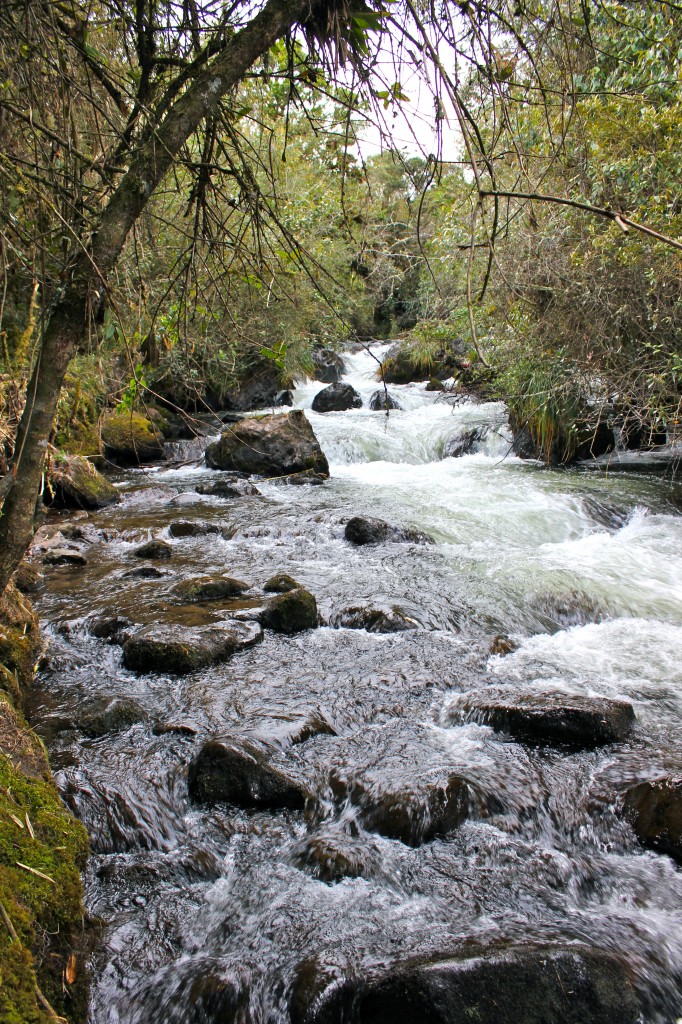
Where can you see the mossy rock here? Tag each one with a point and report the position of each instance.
(291, 612)
(75, 483)
(84, 440)
(280, 584)
(131, 439)
(20, 643)
(208, 588)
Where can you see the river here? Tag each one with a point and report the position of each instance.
(580, 574)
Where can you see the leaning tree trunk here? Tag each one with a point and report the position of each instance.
(68, 323)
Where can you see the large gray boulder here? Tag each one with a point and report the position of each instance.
(269, 446)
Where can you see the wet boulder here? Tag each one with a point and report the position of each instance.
(241, 772)
(27, 578)
(362, 530)
(553, 717)
(332, 855)
(411, 812)
(464, 444)
(337, 398)
(130, 439)
(329, 365)
(382, 400)
(280, 584)
(275, 445)
(284, 398)
(654, 808)
(109, 716)
(179, 650)
(435, 385)
(156, 550)
(374, 620)
(208, 588)
(233, 488)
(522, 984)
(65, 556)
(290, 612)
(75, 483)
(146, 572)
(109, 627)
(187, 528)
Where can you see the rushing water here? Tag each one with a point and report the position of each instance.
(583, 573)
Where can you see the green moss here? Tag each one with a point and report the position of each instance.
(127, 436)
(46, 915)
(20, 644)
(77, 484)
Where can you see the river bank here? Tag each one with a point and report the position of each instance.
(535, 581)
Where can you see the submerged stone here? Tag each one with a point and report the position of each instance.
(290, 612)
(553, 717)
(179, 650)
(208, 588)
(269, 446)
(411, 813)
(374, 620)
(185, 528)
(110, 716)
(654, 809)
(363, 530)
(524, 984)
(239, 772)
(159, 550)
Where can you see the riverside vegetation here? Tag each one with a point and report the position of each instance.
(540, 270)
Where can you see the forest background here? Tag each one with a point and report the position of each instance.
(546, 259)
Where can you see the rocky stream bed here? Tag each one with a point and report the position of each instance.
(398, 745)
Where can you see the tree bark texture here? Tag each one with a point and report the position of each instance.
(69, 320)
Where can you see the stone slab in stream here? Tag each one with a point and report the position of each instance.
(362, 530)
(240, 772)
(179, 650)
(337, 398)
(654, 808)
(275, 445)
(553, 717)
(524, 984)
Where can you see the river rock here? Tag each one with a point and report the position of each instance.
(550, 718)
(337, 398)
(464, 444)
(110, 716)
(27, 577)
(291, 612)
(374, 620)
(332, 855)
(146, 572)
(186, 528)
(522, 984)
(179, 650)
(227, 489)
(65, 556)
(284, 398)
(367, 530)
(435, 385)
(382, 400)
(654, 808)
(208, 588)
(157, 550)
(329, 365)
(109, 627)
(240, 772)
(280, 584)
(76, 483)
(270, 446)
(130, 439)
(413, 813)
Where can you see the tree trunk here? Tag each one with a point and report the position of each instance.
(68, 324)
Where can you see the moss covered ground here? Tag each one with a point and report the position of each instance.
(42, 852)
